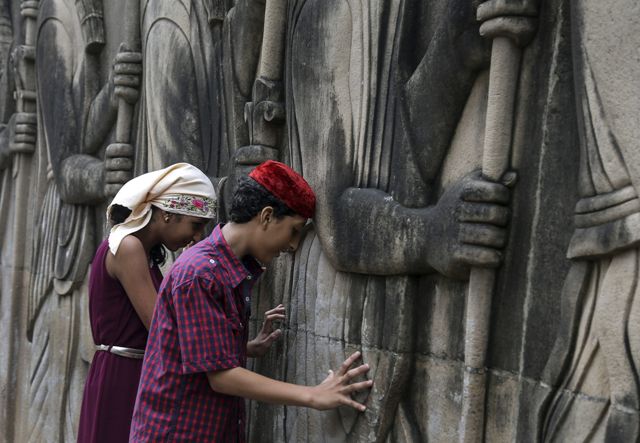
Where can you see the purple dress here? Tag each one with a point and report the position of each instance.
(112, 382)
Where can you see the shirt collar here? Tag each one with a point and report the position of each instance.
(238, 270)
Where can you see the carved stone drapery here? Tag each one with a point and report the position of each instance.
(597, 352)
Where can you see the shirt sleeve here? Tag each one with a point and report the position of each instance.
(209, 340)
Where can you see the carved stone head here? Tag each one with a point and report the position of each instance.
(91, 17)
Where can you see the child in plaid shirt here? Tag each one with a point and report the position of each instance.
(194, 381)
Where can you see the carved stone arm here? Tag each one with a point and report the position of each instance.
(79, 176)
(174, 115)
(435, 94)
(245, 22)
(100, 119)
(124, 82)
(81, 179)
(370, 233)
(367, 231)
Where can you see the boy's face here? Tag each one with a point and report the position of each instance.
(278, 235)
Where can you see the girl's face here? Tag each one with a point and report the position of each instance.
(182, 230)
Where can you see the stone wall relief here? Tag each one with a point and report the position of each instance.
(594, 364)
(72, 176)
(384, 107)
(341, 104)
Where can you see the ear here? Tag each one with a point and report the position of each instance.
(266, 216)
(166, 216)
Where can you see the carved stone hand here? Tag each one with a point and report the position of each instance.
(468, 226)
(515, 19)
(118, 164)
(125, 77)
(22, 135)
(496, 8)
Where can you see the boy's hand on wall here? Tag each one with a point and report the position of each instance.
(337, 388)
(267, 335)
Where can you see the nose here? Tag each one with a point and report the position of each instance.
(293, 244)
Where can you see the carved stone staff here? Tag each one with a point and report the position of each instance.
(511, 26)
(25, 95)
(22, 145)
(121, 152)
(266, 112)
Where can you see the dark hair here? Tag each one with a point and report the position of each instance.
(119, 214)
(250, 197)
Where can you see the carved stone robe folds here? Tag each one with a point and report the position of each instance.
(339, 98)
(355, 283)
(65, 227)
(598, 350)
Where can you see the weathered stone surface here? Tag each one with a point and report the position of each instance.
(389, 109)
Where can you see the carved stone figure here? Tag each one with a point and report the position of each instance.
(594, 364)
(182, 116)
(72, 179)
(9, 269)
(383, 217)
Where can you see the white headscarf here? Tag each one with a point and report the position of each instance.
(180, 189)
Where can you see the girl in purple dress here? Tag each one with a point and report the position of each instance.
(166, 208)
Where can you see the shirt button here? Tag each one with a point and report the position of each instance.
(240, 324)
(212, 261)
(246, 299)
(249, 277)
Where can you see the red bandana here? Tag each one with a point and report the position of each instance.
(287, 185)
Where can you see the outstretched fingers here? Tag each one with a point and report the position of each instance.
(359, 386)
(355, 372)
(280, 309)
(355, 387)
(277, 313)
(337, 388)
(347, 363)
(348, 401)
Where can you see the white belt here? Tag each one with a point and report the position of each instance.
(122, 351)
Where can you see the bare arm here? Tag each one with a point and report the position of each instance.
(334, 391)
(130, 267)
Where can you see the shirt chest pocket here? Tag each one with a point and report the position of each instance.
(233, 313)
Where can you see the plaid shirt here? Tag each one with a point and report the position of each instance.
(199, 325)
